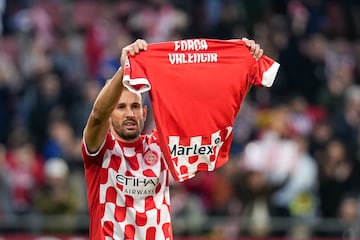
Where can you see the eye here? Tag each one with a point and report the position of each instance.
(120, 106)
(136, 106)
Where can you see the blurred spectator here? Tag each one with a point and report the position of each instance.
(100, 29)
(339, 70)
(158, 21)
(25, 173)
(321, 135)
(57, 198)
(2, 10)
(346, 121)
(307, 71)
(68, 58)
(254, 190)
(38, 18)
(244, 127)
(338, 188)
(41, 103)
(9, 85)
(349, 210)
(80, 109)
(5, 184)
(224, 202)
(61, 141)
(337, 178)
(6, 106)
(300, 118)
(109, 60)
(188, 210)
(282, 161)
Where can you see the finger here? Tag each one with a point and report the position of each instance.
(252, 46)
(125, 50)
(246, 40)
(258, 53)
(261, 53)
(256, 50)
(128, 50)
(139, 45)
(135, 48)
(142, 44)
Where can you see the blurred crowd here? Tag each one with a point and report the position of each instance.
(296, 148)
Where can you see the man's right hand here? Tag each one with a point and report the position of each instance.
(132, 49)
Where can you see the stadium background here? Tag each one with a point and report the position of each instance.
(56, 54)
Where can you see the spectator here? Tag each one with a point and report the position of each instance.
(5, 184)
(57, 198)
(25, 173)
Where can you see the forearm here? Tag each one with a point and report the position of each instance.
(109, 96)
(98, 123)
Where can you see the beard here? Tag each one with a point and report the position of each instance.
(128, 135)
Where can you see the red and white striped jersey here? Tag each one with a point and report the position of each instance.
(128, 190)
(197, 86)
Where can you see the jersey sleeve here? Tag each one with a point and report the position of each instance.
(264, 71)
(134, 77)
(95, 158)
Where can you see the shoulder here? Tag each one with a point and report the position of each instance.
(152, 137)
(107, 144)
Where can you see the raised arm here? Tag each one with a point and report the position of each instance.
(98, 122)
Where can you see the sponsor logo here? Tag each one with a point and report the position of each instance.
(136, 182)
(138, 187)
(194, 149)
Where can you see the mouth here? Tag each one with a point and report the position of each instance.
(130, 124)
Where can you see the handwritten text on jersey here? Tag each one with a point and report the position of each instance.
(190, 57)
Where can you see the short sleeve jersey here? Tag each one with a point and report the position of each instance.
(128, 190)
(197, 86)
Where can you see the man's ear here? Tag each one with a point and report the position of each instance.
(145, 109)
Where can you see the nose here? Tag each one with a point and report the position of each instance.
(129, 112)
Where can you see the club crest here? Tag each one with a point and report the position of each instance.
(151, 158)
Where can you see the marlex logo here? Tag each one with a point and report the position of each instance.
(194, 149)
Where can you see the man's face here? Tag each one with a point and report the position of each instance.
(128, 117)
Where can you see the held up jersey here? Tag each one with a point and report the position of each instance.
(128, 190)
(197, 86)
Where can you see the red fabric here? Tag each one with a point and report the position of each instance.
(197, 87)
